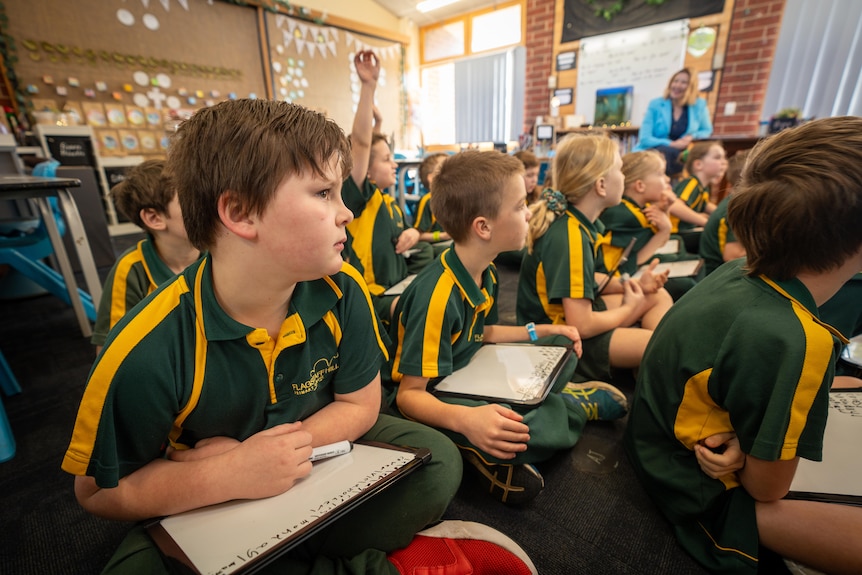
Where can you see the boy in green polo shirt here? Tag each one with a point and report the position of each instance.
(746, 354)
(149, 200)
(385, 250)
(221, 382)
(449, 311)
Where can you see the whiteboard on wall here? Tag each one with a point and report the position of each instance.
(644, 58)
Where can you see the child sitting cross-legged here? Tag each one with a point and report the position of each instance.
(219, 384)
(450, 311)
(734, 388)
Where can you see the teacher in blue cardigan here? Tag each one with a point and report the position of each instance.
(673, 121)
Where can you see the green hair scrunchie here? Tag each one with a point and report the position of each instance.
(555, 199)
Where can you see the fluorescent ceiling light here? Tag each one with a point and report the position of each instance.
(429, 5)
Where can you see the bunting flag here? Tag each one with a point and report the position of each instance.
(279, 20)
(166, 4)
(184, 4)
(331, 46)
(286, 38)
(304, 29)
(334, 32)
(146, 4)
(300, 44)
(310, 46)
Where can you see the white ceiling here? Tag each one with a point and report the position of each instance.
(407, 9)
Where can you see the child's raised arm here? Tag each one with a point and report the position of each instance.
(368, 70)
(496, 430)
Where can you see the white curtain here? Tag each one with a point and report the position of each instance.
(489, 97)
(818, 60)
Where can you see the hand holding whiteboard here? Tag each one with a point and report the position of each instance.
(242, 536)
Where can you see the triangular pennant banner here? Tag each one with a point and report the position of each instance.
(279, 20)
(184, 4)
(334, 32)
(311, 46)
(304, 29)
(348, 37)
(166, 4)
(322, 49)
(300, 44)
(291, 25)
(331, 46)
(286, 38)
(146, 4)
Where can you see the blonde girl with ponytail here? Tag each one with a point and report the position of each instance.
(559, 282)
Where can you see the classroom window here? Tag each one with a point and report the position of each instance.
(474, 100)
(496, 29)
(438, 104)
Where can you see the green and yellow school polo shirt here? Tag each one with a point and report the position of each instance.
(425, 220)
(441, 318)
(622, 223)
(179, 369)
(563, 264)
(695, 195)
(716, 234)
(136, 274)
(375, 229)
(761, 369)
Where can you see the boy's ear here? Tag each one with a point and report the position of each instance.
(482, 228)
(234, 217)
(153, 219)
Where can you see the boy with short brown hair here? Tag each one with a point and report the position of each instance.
(745, 355)
(267, 347)
(449, 311)
(148, 198)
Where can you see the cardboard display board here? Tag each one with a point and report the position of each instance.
(312, 65)
(134, 66)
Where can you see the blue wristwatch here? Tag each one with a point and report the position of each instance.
(531, 330)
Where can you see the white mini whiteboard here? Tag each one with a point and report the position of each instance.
(516, 373)
(836, 478)
(643, 57)
(239, 536)
(676, 269)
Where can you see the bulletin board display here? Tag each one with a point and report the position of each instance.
(312, 65)
(132, 69)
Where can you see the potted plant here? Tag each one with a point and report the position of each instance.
(785, 118)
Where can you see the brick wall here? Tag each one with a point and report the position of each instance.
(750, 48)
(540, 48)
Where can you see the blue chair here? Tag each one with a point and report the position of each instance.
(9, 386)
(25, 251)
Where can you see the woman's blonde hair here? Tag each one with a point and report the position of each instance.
(579, 162)
(690, 92)
(639, 165)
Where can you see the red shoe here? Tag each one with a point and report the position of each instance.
(462, 548)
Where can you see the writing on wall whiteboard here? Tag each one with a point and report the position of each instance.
(641, 57)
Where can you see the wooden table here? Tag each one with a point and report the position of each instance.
(14, 187)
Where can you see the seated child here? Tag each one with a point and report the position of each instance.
(150, 201)
(717, 242)
(705, 162)
(531, 174)
(744, 355)
(559, 283)
(221, 382)
(379, 242)
(513, 258)
(430, 229)
(450, 310)
(642, 215)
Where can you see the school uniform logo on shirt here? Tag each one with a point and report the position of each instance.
(479, 337)
(321, 367)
